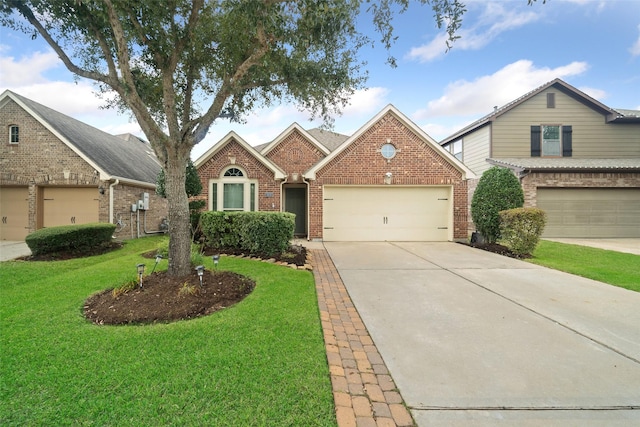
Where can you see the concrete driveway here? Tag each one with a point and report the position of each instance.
(476, 339)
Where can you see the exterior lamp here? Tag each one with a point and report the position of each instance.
(216, 259)
(158, 259)
(387, 178)
(140, 268)
(200, 270)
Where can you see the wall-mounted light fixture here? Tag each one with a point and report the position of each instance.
(66, 173)
(387, 178)
(101, 189)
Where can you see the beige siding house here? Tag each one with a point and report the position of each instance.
(576, 158)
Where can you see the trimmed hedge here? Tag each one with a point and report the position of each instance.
(259, 233)
(521, 229)
(73, 238)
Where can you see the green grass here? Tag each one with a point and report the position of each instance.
(261, 362)
(616, 268)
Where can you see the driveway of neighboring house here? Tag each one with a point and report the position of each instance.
(630, 245)
(477, 339)
(13, 249)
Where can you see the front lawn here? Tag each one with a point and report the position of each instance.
(261, 362)
(615, 268)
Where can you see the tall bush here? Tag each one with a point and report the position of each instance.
(497, 190)
(521, 229)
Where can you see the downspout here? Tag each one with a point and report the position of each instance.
(304, 180)
(111, 189)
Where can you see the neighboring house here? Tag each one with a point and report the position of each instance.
(55, 170)
(576, 158)
(388, 181)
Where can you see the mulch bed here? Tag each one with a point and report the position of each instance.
(163, 298)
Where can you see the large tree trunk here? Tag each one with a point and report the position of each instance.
(179, 227)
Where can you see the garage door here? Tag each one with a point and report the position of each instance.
(65, 206)
(591, 213)
(14, 211)
(387, 213)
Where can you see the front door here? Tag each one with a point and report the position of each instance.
(295, 201)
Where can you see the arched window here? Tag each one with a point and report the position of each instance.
(233, 192)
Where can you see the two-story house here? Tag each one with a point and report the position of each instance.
(576, 158)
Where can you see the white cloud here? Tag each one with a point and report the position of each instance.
(494, 21)
(481, 95)
(27, 70)
(635, 49)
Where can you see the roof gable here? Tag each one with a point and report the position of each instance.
(234, 137)
(294, 127)
(609, 113)
(112, 156)
(390, 109)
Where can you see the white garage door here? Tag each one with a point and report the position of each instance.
(591, 213)
(14, 211)
(387, 213)
(66, 206)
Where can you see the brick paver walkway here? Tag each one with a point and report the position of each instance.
(364, 392)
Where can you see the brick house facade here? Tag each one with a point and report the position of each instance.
(50, 177)
(302, 167)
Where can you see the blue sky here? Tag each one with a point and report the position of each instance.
(506, 49)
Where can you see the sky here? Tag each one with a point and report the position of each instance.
(506, 49)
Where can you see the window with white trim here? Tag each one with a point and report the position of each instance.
(233, 192)
(14, 134)
(456, 149)
(551, 142)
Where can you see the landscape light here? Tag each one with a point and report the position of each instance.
(158, 259)
(216, 259)
(200, 270)
(140, 268)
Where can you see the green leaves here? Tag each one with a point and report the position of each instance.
(497, 190)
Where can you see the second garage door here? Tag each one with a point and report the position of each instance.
(65, 206)
(387, 213)
(591, 212)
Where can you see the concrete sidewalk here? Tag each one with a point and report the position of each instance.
(11, 250)
(477, 339)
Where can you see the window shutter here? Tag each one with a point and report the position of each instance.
(535, 141)
(566, 141)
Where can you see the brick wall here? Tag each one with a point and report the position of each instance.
(416, 163)
(220, 162)
(140, 223)
(295, 154)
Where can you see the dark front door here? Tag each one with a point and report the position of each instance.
(296, 203)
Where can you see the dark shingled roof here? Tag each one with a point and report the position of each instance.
(329, 139)
(128, 158)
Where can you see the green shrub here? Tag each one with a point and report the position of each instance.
(264, 233)
(75, 238)
(497, 190)
(521, 229)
